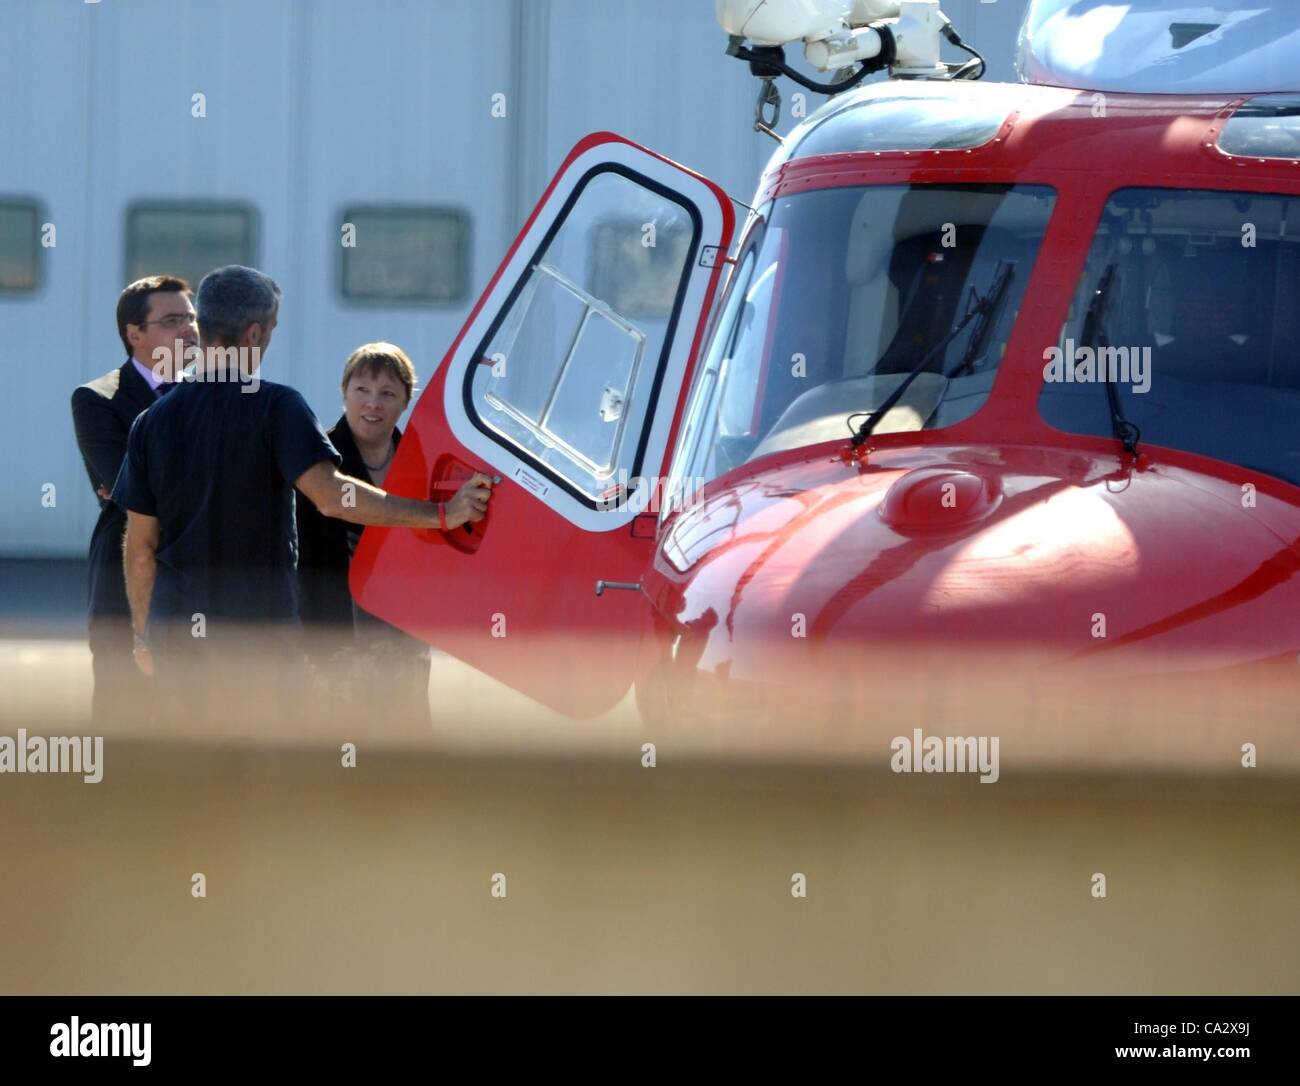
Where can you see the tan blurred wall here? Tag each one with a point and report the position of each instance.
(625, 879)
(676, 878)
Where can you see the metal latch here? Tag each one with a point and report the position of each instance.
(627, 586)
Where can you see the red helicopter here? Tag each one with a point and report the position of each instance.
(1006, 374)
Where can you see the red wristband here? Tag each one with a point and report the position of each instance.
(442, 516)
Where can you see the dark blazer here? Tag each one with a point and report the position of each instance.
(323, 555)
(102, 413)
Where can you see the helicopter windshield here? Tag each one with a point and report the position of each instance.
(1200, 334)
(839, 295)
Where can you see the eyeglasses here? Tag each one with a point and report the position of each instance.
(175, 322)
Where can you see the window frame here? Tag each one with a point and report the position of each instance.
(465, 253)
(654, 389)
(39, 216)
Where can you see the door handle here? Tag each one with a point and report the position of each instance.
(452, 487)
(449, 475)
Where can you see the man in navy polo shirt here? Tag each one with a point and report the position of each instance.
(211, 543)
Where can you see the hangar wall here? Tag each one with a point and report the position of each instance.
(312, 107)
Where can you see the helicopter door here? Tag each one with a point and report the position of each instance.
(566, 382)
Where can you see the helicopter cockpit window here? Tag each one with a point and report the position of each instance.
(567, 374)
(839, 295)
(1264, 127)
(1187, 309)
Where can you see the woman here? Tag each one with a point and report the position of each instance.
(345, 644)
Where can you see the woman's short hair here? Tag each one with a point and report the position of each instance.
(377, 358)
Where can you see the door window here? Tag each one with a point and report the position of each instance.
(569, 372)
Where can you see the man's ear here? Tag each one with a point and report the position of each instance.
(254, 335)
(134, 334)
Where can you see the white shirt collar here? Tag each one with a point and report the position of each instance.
(148, 374)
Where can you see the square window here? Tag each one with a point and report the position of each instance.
(405, 254)
(188, 239)
(20, 246)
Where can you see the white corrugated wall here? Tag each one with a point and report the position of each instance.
(312, 105)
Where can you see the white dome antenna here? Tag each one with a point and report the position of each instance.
(853, 38)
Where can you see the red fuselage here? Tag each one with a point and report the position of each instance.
(955, 538)
(1042, 531)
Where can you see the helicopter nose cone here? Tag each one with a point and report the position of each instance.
(939, 498)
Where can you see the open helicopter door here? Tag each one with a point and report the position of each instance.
(567, 382)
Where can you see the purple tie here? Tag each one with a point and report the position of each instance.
(164, 388)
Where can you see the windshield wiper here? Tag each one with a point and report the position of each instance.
(986, 309)
(1094, 337)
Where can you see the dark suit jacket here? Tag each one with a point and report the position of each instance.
(102, 413)
(323, 555)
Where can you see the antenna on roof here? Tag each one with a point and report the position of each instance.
(852, 38)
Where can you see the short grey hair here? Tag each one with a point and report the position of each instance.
(229, 299)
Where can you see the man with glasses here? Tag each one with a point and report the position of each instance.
(156, 322)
